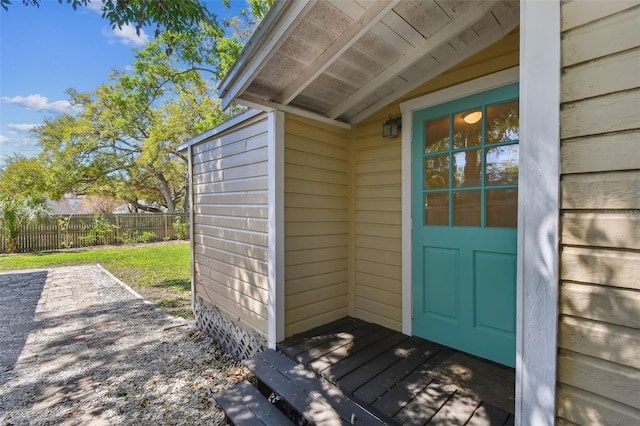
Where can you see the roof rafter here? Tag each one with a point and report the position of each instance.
(452, 29)
(469, 50)
(262, 47)
(264, 105)
(353, 33)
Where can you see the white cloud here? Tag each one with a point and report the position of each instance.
(96, 5)
(22, 127)
(41, 103)
(126, 35)
(18, 143)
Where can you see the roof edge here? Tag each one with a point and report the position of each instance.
(219, 129)
(260, 47)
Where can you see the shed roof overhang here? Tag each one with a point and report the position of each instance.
(342, 60)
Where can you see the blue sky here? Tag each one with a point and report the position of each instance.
(46, 50)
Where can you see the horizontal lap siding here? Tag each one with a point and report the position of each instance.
(378, 232)
(378, 193)
(599, 326)
(230, 199)
(316, 224)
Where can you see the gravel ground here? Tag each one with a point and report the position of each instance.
(77, 347)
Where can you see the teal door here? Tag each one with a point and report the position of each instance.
(465, 200)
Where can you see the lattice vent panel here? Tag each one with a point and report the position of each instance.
(239, 342)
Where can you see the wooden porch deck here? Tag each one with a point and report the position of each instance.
(406, 380)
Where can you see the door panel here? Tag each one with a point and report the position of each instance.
(441, 301)
(465, 171)
(494, 292)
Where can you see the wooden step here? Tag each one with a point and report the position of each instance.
(244, 405)
(317, 400)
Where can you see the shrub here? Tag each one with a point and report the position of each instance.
(63, 225)
(98, 231)
(15, 211)
(180, 228)
(145, 237)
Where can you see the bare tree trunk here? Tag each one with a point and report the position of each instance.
(167, 193)
(12, 245)
(145, 208)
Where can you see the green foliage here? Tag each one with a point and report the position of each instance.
(189, 29)
(23, 176)
(17, 210)
(181, 228)
(63, 226)
(146, 237)
(177, 15)
(98, 231)
(259, 8)
(136, 237)
(123, 143)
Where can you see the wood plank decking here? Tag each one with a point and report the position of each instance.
(406, 380)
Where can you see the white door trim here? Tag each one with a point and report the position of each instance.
(455, 92)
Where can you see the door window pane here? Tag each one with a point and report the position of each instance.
(503, 122)
(467, 129)
(502, 165)
(466, 208)
(436, 135)
(502, 207)
(436, 170)
(467, 166)
(436, 208)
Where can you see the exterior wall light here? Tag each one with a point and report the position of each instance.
(391, 126)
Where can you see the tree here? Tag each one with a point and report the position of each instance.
(189, 22)
(176, 15)
(123, 143)
(16, 211)
(20, 175)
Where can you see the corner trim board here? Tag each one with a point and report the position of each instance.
(192, 232)
(538, 212)
(275, 178)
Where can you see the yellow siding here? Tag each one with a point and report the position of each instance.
(316, 224)
(377, 178)
(230, 223)
(599, 325)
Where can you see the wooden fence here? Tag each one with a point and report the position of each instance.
(72, 231)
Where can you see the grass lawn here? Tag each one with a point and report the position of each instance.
(159, 272)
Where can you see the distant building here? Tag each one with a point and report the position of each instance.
(68, 205)
(86, 204)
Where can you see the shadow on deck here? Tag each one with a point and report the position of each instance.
(405, 379)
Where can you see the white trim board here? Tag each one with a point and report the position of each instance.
(461, 90)
(192, 228)
(275, 308)
(219, 129)
(538, 213)
(455, 92)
